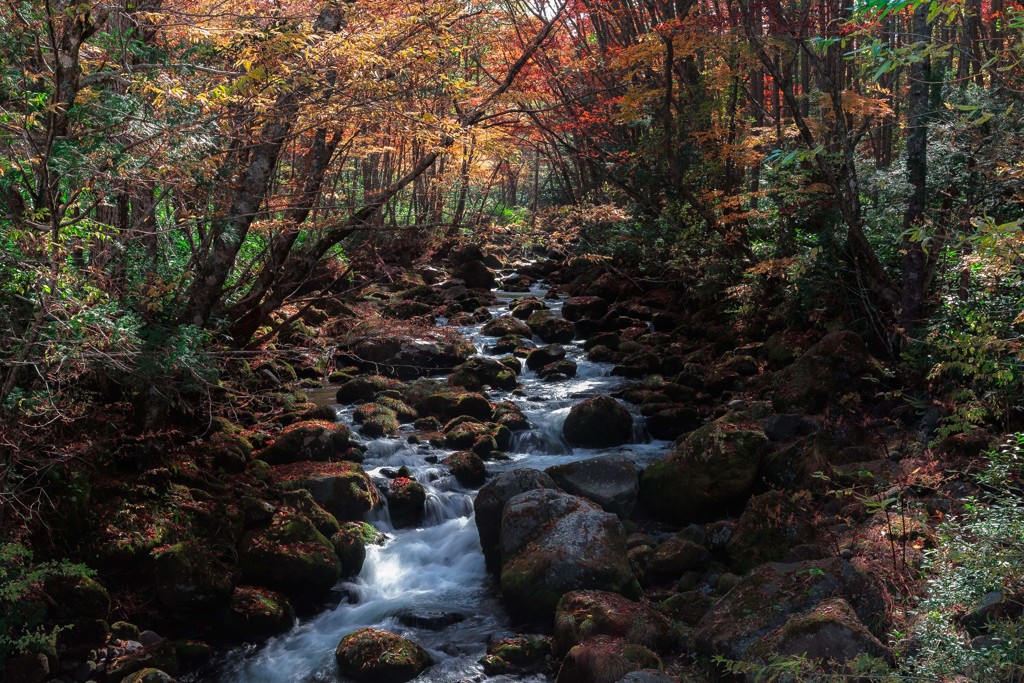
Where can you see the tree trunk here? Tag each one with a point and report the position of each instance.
(915, 257)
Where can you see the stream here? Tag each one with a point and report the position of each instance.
(438, 568)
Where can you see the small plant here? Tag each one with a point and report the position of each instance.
(979, 555)
(22, 609)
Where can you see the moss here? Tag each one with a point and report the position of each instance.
(365, 388)
(260, 470)
(379, 422)
(404, 413)
(258, 612)
(378, 656)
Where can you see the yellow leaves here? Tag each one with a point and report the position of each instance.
(857, 104)
(634, 105)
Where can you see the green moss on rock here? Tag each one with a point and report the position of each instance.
(377, 656)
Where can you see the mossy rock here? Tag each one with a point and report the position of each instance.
(468, 468)
(838, 364)
(770, 526)
(508, 414)
(341, 488)
(545, 355)
(829, 634)
(599, 422)
(303, 501)
(688, 606)
(76, 597)
(339, 377)
(192, 653)
(517, 654)
(404, 413)
(350, 544)
(260, 470)
(464, 434)
(559, 370)
(406, 501)
(149, 676)
(427, 424)
(377, 656)
(327, 413)
(605, 659)
(290, 556)
(313, 440)
(478, 372)
(259, 612)
(376, 420)
(160, 656)
(506, 325)
(583, 614)
(524, 308)
(189, 577)
(551, 328)
(765, 600)
(712, 471)
(365, 388)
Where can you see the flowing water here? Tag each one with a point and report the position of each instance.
(438, 568)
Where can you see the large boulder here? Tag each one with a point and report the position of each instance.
(581, 549)
(506, 325)
(259, 613)
(476, 275)
(408, 358)
(407, 500)
(508, 414)
(771, 525)
(605, 659)
(545, 355)
(838, 364)
(551, 328)
(559, 370)
(365, 388)
(524, 308)
(189, 577)
(480, 371)
(290, 556)
(464, 253)
(673, 557)
(350, 543)
(520, 653)
(76, 597)
(526, 516)
(468, 468)
(582, 614)
(712, 471)
(743, 624)
(599, 422)
(830, 634)
(611, 481)
(490, 503)
(341, 488)
(579, 307)
(377, 656)
(671, 421)
(313, 440)
(446, 402)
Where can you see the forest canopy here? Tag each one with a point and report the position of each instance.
(176, 174)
